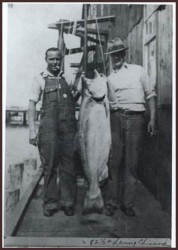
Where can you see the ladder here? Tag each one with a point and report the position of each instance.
(89, 41)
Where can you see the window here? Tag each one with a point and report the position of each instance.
(149, 41)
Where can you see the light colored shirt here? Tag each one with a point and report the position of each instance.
(37, 88)
(132, 86)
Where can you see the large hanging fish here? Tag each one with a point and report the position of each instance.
(94, 139)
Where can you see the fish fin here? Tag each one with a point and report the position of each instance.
(93, 204)
(104, 174)
(96, 74)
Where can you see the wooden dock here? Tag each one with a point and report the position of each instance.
(29, 227)
(20, 116)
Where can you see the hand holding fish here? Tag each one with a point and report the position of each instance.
(33, 138)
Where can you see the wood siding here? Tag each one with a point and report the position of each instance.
(127, 16)
(134, 42)
(164, 57)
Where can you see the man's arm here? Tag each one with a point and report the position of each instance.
(31, 119)
(150, 95)
(111, 93)
(152, 122)
(113, 102)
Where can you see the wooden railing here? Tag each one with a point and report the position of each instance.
(13, 221)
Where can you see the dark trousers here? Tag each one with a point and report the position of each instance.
(127, 141)
(56, 148)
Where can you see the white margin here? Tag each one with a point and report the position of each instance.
(173, 232)
(4, 70)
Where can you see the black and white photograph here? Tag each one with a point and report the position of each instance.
(89, 125)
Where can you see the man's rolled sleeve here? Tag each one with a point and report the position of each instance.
(35, 90)
(151, 95)
(113, 105)
(149, 89)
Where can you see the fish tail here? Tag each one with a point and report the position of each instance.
(93, 203)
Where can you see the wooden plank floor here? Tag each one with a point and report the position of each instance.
(150, 222)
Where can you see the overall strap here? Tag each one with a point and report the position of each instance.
(51, 85)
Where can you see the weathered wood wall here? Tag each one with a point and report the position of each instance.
(159, 176)
(127, 16)
(134, 42)
(164, 56)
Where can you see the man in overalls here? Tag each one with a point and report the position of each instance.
(55, 139)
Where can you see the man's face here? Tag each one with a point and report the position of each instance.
(117, 59)
(54, 60)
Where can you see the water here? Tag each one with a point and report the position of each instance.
(17, 147)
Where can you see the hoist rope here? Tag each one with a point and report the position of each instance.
(102, 54)
(61, 34)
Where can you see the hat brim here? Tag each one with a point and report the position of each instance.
(115, 51)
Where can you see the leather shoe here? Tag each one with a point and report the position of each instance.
(49, 213)
(128, 211)
(110, 210)
(69, 211)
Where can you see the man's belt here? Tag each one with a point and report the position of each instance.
(129, 112)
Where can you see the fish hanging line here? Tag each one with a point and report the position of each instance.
(62, 64)
(102, 54)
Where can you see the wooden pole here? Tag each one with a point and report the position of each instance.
(61, 45)
(24, 118)
(85, 40)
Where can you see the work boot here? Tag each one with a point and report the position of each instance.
(68, 210)
(110, 210)
(49, 209)
(128, 211)
(49, 213)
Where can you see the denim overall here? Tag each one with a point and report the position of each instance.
(56, 143)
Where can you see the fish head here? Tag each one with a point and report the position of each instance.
(97, 87)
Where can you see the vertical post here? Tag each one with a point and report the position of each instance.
(61, 45)
(7, 117)
(24, 119)
(85, 41)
